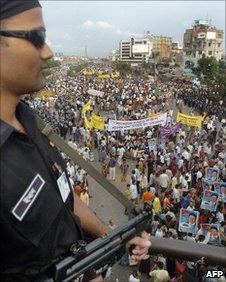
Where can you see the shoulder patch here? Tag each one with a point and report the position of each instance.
(27, 199)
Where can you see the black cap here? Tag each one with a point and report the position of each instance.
(9, 8)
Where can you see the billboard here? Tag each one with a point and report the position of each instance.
(140, 48)
(211, 35)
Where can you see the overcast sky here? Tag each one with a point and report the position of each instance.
(100, 25)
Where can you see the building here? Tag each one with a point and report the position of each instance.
(177, 52)
(135, 50)
(162, 46)
(203, 39)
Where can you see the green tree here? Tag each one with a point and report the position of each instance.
(207, 67)
(213, 74)
(73, 69)
(53, 63)
(123, 67)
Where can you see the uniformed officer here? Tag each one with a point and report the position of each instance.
(40, 217)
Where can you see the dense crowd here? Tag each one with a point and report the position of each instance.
(172, 173)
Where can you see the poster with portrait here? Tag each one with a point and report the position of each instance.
(212, 174)
(206, 184)
(214, 235)
(223, 191)
(205, 228)
(217, 188)
(188, 221)
(209, 200)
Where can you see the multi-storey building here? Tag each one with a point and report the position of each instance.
(135, 50)
(162, 46)
(203, 39)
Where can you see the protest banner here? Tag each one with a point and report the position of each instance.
(209, 200)
(97, 122)
(193, 121)
(212, 174)
(87, 72)
(103, 75)
(167, 131)
(188, 221)
(121, 125)
(96, 93)
(152, 114)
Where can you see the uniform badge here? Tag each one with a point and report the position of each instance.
(27, 199)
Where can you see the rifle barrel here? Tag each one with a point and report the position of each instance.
(188, 250)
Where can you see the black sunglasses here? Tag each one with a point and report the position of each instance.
(36, 36)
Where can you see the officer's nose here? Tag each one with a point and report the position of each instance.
(46, 52)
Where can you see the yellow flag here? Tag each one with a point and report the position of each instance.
(86, 107)
(97, 121)
(193, 121)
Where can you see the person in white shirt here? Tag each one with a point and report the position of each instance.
(143, 181)
(181, 162)
(186, 155)
(79, 175)
(133, 189)
(164, 180)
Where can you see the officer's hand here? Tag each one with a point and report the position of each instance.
(142, 245)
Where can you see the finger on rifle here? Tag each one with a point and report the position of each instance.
(140, 251)
(140, 242)
(145, 235)
(139, 257)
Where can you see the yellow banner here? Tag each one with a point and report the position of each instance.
(194, 121)
(86, 107)
(88, 72)
(151, 114)
(97, 121)
(104, 75)
(115, 74)
(46, 93)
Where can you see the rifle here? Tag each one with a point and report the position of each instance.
(101, 253)
(105, 251)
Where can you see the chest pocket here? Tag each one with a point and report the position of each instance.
(40, 216)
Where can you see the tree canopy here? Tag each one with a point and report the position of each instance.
(122, 67)
(213, 74)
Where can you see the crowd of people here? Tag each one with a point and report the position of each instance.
(173, 173)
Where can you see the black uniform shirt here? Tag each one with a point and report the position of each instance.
(36, 224)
